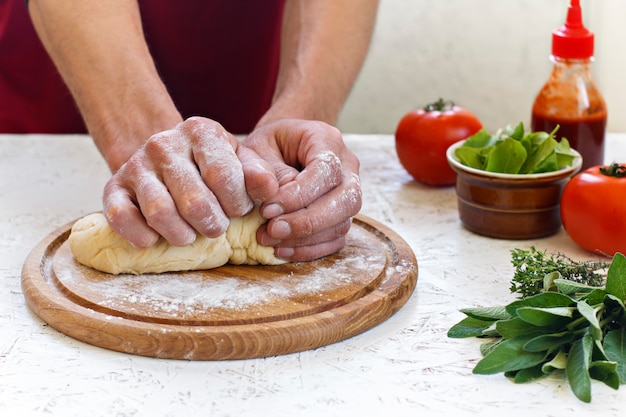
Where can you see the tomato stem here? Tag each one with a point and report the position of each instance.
(614, 170)
(440, 105)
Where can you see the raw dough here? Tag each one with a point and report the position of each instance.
(93, 243)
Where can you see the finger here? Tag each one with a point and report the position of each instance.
(159, 210)
(195, 203)
(327, 235)
(341, 203)
(125, 218)
(322, 174)
(309, 253)
(214, 152)
(261, 183)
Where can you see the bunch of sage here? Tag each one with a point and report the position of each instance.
(572, 327)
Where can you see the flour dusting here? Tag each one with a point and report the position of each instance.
(164, 295)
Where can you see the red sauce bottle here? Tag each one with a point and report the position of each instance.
(570, 98)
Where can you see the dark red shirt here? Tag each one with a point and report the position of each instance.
(218, 58)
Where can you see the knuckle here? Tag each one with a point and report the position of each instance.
(193, 206)
(156, 211)
(352, 197)
(342, 228)
(159, 145)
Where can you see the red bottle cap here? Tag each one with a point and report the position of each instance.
(573, 40)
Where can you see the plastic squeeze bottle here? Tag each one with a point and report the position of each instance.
(570, 98)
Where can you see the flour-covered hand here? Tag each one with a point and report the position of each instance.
(319, 188)
(182, 181)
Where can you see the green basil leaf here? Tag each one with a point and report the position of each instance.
(480, 139)
(539, 154)
(508, 355)
(616, 277)
(614, 345)
(549, 164)
(577, 368)
(507, 157)
(564, 155)
(469, 327)
(516, 132)
(471, 157)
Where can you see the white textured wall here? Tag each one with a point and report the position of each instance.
(490, 56)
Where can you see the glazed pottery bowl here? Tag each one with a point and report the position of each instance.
(510, 206)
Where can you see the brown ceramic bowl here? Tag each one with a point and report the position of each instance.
(510, 206)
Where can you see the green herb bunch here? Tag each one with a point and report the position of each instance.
(570, 326)
(535, 271)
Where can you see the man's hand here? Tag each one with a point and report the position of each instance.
(319, 188)
(182, 181)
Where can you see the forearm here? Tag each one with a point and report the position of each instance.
(324, 45)
(99, 50)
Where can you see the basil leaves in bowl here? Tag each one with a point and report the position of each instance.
(509, 184)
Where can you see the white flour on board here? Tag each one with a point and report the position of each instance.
(162, 294)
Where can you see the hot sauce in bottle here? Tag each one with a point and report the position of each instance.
(570, 98)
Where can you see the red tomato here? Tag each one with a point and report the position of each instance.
(593, 209)
(424, 135)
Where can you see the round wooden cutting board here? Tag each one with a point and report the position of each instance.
(231, 312)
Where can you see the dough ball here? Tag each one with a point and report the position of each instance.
(93, 243)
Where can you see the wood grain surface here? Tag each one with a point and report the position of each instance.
(231, 312)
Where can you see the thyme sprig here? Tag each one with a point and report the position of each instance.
(536, 271)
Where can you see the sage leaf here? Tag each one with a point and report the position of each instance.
(577, 368)
(487, 313)
(596, 296)
(589, 313)
(546, 316)
(487, 347)
(559, 361)
(605, 371)
(569, 287)
(616, 277)
(508, 355)
(469, 327)
(545, 299)
(614, 345)
(550, 279)
(549, 342)
(615, 309)
(515, 327)
(528, 374)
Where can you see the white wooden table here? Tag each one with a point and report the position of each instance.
(406, 366)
